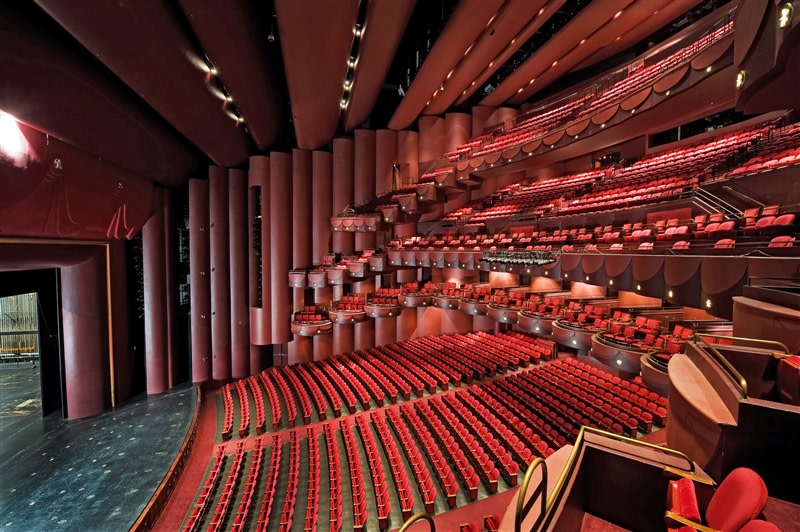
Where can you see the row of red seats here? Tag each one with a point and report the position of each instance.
(312, 497)
(314, 389)
(458, 447)
(340, 387)
(320, 382)
(336, 511)
(227, 401)
(500, 450)
(244, 408)
(379, 385)
(261, 418)
(351, 303)
(272, 396)
(292, 483)
(379, 485)
(305, 402)
(401, 483)
(361, 392)
(224, 501)
(447, 480)
(249, 489)
(273, 475)
(206, 492)
(356, 480)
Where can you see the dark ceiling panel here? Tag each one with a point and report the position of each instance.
(316, 41)
(145, 45)
(386, 21)
(589, 20)
(664, 16)
(542, 16)
(614, 31)
(501, 34)
(235, 39)
(465, 24)
(49, 86)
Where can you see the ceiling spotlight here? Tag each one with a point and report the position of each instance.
(740, 77)
(785, 15)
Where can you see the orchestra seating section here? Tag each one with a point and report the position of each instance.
(586, 103)
(419, 433)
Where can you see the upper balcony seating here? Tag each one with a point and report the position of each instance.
(589, 102)
(310, 314)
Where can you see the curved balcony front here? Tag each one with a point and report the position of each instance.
(312, 328)
(503, 314)
(358, 269)
(447, 302)
(336, 275)
(473, 307)
(382, 311)
(572, 336)
(415, 300)
(298, 278)
(377, 263)
(616, 355)
(347, 316)
(654, 376)
(317, 279)
(540, 324)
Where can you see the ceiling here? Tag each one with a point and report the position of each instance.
(161, 88)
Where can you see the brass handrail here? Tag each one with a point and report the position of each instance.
(523, 509)
(579, 441)
(416, 517)
(727, 365)
(745, 339)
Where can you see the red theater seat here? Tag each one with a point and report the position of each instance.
(739, 499)
(725, 243)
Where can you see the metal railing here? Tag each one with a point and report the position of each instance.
(732, 371)
(523, 508)
(416, 517)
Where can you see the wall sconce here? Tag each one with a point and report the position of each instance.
(740, 77)
(785, 15)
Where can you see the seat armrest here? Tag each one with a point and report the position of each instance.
(674, 520)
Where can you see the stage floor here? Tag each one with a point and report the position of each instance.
(92, 474)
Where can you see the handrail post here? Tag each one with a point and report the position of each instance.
(416, 517)
(523, 509)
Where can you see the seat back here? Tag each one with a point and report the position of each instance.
(784, 219)
(770, 210)
(725, 243)
(740, 498)
(784, 241)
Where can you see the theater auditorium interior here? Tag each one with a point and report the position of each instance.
(392, 265)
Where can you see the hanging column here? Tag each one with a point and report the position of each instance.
(155, 298)
(301, 347)
(84, 315)
(321, 193)
(260, 295)
(407, 324)
(385, 159)
(239, 257)
(343, 186)
(200, 281)
(220, 274)
(280, 247)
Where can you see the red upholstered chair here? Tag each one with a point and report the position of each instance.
(681, 244)
(739, 499)
(725, 243)
(783, 241)
(757, 525)
(780, 226)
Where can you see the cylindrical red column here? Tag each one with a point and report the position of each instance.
(364, 241)
(322, 187)
(280, 245)
(122, 371)
(364, 166)
(407, 324)
(385, 159)
(483, 323)
(408, 155)
(155, 298)
(343, 242)
(406, 276)
(342, 338)
(170, 282)
(323, 346)
(364, 335)
(200, 280)
(220, 274)
(458, 129)
(239, 259)
(343, 184)
(260, 293)
(385, 330)
(301, 209)
(83, 308)
(431, 138)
